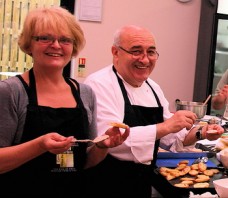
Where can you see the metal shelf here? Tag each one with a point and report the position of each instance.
(221, 52)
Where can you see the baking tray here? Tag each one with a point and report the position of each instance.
(184, 192)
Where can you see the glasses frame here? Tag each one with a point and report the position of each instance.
(51, 39)
(140, 55)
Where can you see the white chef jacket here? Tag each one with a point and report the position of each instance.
(139, 146)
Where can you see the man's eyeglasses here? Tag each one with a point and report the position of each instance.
(139, 53)
(50, 39)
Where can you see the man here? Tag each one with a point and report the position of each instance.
(126, 94)
(221, 92)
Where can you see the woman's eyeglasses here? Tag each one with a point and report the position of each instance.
(50, 39)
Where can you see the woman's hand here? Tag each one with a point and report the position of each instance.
(55, 143)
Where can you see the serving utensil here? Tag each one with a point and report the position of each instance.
(208, 98)
(200, 159)
(96, 140)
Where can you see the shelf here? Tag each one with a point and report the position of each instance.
(222, 52)
(218, 74)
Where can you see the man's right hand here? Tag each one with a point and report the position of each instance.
(181, 119)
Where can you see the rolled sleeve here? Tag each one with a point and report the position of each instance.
(143, 142)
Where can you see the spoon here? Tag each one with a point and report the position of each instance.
(96, 140)
(200, 159)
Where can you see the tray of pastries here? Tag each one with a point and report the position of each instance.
(186, 177)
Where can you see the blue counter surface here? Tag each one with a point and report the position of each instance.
(169, 159)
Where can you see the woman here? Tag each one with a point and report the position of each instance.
(43, 113)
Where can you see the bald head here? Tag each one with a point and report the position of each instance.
(134, 54)
(128, 32)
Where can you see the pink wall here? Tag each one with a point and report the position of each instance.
(175, 26)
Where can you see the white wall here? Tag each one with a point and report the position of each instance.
(175, 26)
(222, 7)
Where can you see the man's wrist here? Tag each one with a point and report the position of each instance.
(199, 135)
(101, 147)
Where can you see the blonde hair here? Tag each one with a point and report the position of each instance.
(56, 19)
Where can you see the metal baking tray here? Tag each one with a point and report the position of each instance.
(184, 192)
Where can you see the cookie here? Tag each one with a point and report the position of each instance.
(181, 185)
(120, 125)
(201, 185)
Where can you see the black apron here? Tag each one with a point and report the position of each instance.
(49, 173)
(117, 178)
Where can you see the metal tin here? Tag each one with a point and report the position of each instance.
(196, 107)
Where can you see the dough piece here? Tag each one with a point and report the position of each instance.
(189, 182)
(170, 177)
(202, 123)
(193, 172)
(185, 170)
(120, 125)
(202, 166)
(181, 185)
(208, 172)
(202, 178)
(187, 179)
(195, 166)
(181, 166)
(212, 132)
(215, 170)
(183, 162)
(201, 185)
